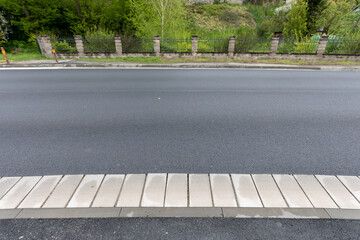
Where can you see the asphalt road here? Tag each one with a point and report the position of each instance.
(197, 121)
(174, 229)
(239, 121)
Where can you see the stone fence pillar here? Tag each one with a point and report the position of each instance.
(194, 45)
(45, 46)
(118, 45)
(274, 45)
(321, 47)
(157, 45)
(79, 45)
(231, 48)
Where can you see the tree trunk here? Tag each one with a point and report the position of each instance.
(78, 8)
(26, 11)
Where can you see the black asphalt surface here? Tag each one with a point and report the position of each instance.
(239, 121)
(204, 229)
(217, 121)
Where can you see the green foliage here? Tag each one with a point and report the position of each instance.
(300, 45)
(315, 8)
(165, 18)
(63, 46)
(296, 24)
(99, 40)
(2, 41)
(332, 18)
(349, 44)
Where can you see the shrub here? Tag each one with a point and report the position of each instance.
(99, 40)
(64, 46)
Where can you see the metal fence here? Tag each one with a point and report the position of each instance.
(130, 45)
(64, 44)
(213, 45)
(99, 45)
(298, 46)
(252, 45)
(341, 45)
(175, 45)
(335, 45)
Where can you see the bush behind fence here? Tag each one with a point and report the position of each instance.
(335, 45)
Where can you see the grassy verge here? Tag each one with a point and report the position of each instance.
(216, 60)
(37, 56)
(22, 57)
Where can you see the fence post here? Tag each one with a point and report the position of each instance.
(45, 46)
(157, 45)
(231, 48)
(194, 45)
(274, 45)
(321, 47)
(79, 45)
(118, 45)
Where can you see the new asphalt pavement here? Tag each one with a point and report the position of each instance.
(71, 121)
(191, 121)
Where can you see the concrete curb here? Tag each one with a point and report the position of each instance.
(181, 195)
(180, 66)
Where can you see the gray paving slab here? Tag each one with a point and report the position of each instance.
(63, 192)
(109, 191)
(39, 194)
(70, 213)
(85, 193)
(199, 191)
(154, 190)
(6, 183)
(246, 192)
(222, 190)
(18, 192)
(131, 192)
(292, 192)
(275, 213)
(352, 183)
(171, 212)
(268, 190)
(315, 192)
(176, 190)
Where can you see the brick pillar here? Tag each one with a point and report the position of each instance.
(45, 46)
(118, 45)
(274, 45)
(194, 45)
(79, 45)
(231, 48)
(321, 47)
(157, 45)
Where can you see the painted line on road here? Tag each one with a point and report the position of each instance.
(180, 195)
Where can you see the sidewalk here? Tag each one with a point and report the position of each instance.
(181, 195)
(73, 63)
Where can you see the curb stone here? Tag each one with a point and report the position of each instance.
(180, 66)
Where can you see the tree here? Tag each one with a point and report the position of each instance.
(315, 8)
(295, 26)
(32, 16)
(332, 18)
(166, 18)
(4, 28)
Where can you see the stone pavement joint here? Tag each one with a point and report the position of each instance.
(180, 195)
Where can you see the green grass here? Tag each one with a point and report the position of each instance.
(214, 60)
(127, 59)
(36, 56)
(22, 56)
